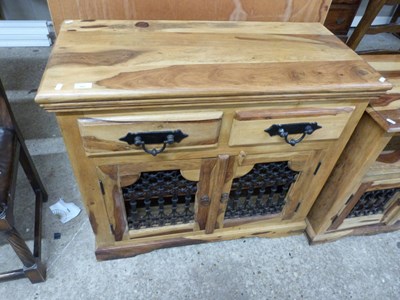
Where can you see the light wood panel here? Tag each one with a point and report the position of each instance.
(102, 134)
(217, 10)
(261, 229)
(389, 66)
(368, 138)
(248, 126)
(118, 61)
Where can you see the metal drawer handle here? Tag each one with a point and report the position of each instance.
(283, 130)
(140, 139)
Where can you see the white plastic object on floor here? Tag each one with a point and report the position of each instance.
(66, 211)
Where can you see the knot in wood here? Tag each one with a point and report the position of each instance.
(205, 200)
(224, 198)
(142, 24)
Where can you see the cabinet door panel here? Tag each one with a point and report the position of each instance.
(146, 200)
(371, 206)
(268, 188)
(151, 199)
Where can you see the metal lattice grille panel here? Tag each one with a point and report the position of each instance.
(159, 199)
(372, 203)
(260, 192)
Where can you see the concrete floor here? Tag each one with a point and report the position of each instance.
(281, 268)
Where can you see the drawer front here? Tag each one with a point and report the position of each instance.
(102, 135)
(249, 126)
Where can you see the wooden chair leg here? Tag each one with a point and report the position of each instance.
(37, 241)
(31, 172)
(373, 9)
(40, 195)
(33, 268)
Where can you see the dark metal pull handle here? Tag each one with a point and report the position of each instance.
(140, 139)
(154, 151)
(284, 130)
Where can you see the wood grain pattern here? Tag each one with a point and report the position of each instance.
(364, 230)
(392, 212)
(232, 171)
(217, 10)
(362, 221)
(126, 249)
(381, 171)
(157, 231)
(110, 180)
(338, 220)
(298, 197)
(217, 180)
(197, 60)
(203, 195)
(86, 174)
(386, 110)
(389, 119)
(290, 112)
(389, 66)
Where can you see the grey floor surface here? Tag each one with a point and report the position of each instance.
(281, 268)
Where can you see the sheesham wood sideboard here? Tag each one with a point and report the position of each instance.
(190, 132)
(362, 194)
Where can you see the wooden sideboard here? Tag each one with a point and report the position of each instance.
(190, 132)
(212, 10)
(362, 195)
(340, 17)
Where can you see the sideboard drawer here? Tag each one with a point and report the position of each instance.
(103, 134)
(249, 127)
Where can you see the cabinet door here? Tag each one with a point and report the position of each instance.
(372, 204)
(272, 188)
(168, 197)
(151, 198)
(163, 197)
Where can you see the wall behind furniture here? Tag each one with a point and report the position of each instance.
(217, 10)
(25, 10)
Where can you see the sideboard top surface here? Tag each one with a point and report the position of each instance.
(106, 61)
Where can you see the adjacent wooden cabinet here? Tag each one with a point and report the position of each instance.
(362, 194)
(190, 132)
